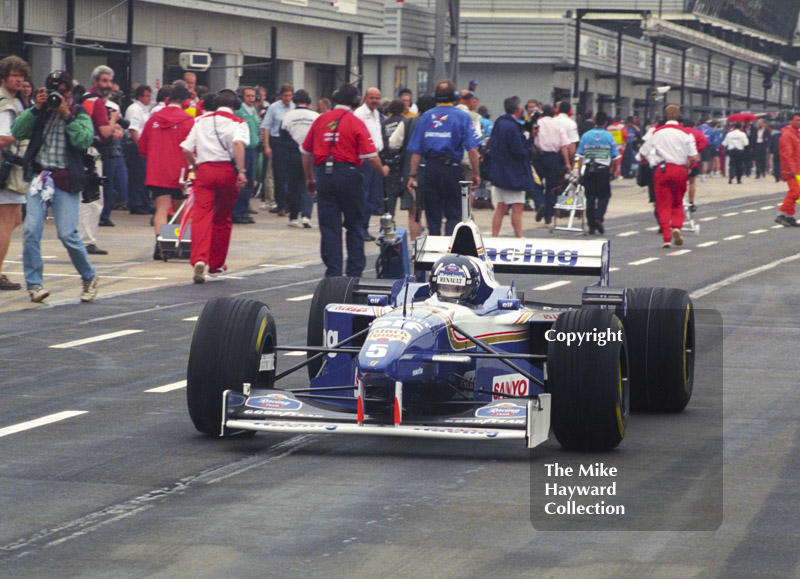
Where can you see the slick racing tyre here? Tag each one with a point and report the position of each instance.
(331, 290)
(588, 382)
(230, 338)
(659, 323)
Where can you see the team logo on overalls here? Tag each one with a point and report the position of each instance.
(438, 121)
(333, 124)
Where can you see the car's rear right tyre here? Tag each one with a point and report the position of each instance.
(659, 323)
(331, 290)
(588, 382)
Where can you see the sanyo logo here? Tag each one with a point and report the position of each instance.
(565, 257)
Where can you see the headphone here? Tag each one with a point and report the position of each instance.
(238, 104)
(448, 98)
(340, 99)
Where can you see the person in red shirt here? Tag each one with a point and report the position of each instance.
(789, 147)
(215, 147)
(160, 142)
(336, 145)
(701, 141)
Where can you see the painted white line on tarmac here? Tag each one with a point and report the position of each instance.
(709, 218)
(704, 291)
(656, 228)
(553, 285)
(768, 207)
(613, 269)
(295, 353)
(707, 244)
(731, 214)
(757, 231)
(102, 277)
(192, 319)
(777, 226)
(168, 387)
(43, 421)
(627, 233)
(300, 298)
(749, 211)
(280, 265)
(679, 252)
(93, 339)
(644, 261)
(732, 237)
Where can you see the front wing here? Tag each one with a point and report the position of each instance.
(282, 411)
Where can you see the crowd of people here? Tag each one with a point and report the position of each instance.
(84, 153)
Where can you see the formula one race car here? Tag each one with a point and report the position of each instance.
(458, 356)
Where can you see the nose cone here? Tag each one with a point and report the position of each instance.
(391, 337)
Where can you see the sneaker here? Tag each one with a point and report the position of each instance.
(38, 293)
(786, 220)
(677, 236)
(89, 290)
(666, 245)
(306, 222)
(294, 223)
(692, 208)
(7, 284)
(199, 272)
(212, 271)
(92, 249)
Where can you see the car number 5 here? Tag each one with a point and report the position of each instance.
(377, 350)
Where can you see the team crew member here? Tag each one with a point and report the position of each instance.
(336, 145)
(294, 130)
(789, 147)
(598, 151)
(441, 137)
(670, 152)
(553, 142)
(160, 143)
(735, 144)
(215, 139)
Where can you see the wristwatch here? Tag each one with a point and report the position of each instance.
(414, 176)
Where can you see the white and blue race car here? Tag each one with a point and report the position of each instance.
(456, 356)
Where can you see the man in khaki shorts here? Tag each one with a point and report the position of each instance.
(509, 168)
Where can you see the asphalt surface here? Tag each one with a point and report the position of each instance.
(124, 487)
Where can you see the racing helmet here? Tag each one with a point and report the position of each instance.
(456, 278)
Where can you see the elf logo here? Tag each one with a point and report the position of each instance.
(514, 384)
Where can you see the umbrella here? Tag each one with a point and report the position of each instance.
(741, 117)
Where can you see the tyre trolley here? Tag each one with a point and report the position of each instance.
(571, 205)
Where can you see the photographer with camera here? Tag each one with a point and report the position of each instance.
(59, 132)
(13, 72)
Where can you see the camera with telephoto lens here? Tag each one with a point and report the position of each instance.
(54, 100)
(91, 190)
(533, 121)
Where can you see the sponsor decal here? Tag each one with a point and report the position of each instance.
(464, 431)
(260, 412)
(416, 372)
(467, 383)
(451, 279)
(438, 120)
(515, 384)
(298, 425)
(503, 421)
(389, 335)
(565, 257)
(274, 401)
(502, 410)
(405, 323)
(351, 309)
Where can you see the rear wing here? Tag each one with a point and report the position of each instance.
(528, 256)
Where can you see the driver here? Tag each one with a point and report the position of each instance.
(457, 279)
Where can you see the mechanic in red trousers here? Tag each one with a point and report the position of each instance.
(670, 152)
(789, 147)
(215, 148)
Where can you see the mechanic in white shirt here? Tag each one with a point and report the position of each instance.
(373, 181)
(570, 127)
(735, 142)
(215, 141)
(139, 110)
(670, 151)
(294, 128)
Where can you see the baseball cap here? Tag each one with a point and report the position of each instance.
(475, 82)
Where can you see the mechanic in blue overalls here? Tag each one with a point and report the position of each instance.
(442, 135)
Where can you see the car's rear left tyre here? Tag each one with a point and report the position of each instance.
(588, 382)
(229, 340)
(659, 323)
(331, 290)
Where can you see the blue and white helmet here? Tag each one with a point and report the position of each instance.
(456, 278)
